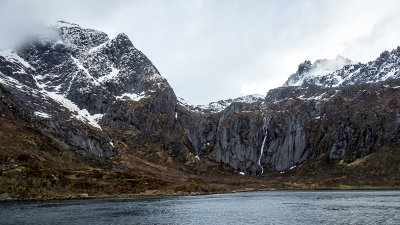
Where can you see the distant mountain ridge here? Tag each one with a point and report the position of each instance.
(220, 105)
(345, 72)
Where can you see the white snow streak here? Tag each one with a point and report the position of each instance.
(111, 143)
(81, 114)
(42, 114)
(85, 116)
(98, 47)
(81, 67)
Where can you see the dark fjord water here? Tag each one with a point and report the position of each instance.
(275, 207)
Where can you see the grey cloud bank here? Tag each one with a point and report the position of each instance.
(213, 50)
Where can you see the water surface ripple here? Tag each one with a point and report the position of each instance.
(265, 207)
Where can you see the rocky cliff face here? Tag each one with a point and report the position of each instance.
(307, 118)
(297, 124)
(102, 98)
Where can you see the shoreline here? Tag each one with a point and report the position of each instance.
(84, 196)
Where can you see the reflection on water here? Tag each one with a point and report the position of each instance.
(275, 207)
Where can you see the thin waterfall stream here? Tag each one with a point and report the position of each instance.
(263, 144)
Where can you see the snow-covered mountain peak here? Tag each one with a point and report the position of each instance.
(82, 66)
(82, 39)
(325, 66)
(320, 67)
(342, 71)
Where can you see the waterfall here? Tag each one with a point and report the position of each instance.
(262, 146)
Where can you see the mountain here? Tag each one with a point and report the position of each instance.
(94, 102)
(342, 72)
(321, 67)
(84, 113)
(218, 106)
(82, 75)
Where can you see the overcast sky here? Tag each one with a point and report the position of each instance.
(216, 49)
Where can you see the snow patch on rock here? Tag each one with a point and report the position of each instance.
(13, 56)
(132, 96)
(112, 75)
(42, 114)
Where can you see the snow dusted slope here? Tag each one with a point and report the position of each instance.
(222, 104)
(214, 107)
(343, 72)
